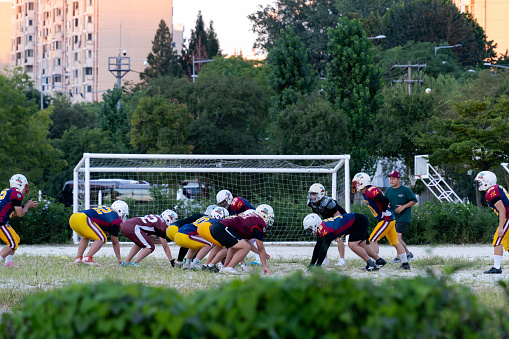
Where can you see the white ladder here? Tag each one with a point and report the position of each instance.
(434, 181)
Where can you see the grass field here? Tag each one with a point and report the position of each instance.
(38, 273)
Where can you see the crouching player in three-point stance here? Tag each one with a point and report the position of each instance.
(378, 204)
(140, 230)
(354, 224)
(93, 224)
(10, 205)
(234, 233)
(498, 199)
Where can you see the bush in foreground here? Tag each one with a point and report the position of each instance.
(322, 305)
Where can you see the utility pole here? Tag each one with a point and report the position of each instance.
(119, 66)
(420, 68)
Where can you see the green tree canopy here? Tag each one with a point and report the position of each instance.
(160, 126)
(162, 60)
(24, 147)
(290, 71)
(354, 86)
(65, 115)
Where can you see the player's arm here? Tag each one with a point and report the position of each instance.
(21, 210)
(263, 255)
(499, 205)
(316, 250)
(326, 241)
(166, 248)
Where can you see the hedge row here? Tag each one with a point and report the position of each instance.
(321, 305)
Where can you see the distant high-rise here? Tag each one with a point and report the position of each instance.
(492, 15)
(64, 45)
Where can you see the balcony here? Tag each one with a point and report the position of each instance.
(29, 61)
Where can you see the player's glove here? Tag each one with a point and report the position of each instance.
(387, 215)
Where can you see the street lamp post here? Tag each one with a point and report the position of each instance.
(491, 65)
(439, 47)
(377, 37)
(198, 62)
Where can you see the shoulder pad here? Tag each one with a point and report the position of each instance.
(328, 202)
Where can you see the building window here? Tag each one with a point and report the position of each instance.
(89, 89)
(75, 39)
(88, 70)
(75, 22)
(75, 56)
(90, 2)
(89, 54)
(89, 36)
(30, 38)
(29, 53)
(89, 18)
(58, 78)
(30, 22)
(76, 73)
(30, 6)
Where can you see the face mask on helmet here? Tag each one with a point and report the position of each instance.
(359, 181)
(20, 182)
(316, 192)
(485, 180)
(121, 208)
(169, 216)
(224, 198)
(312, 222)
(219, 213)
(266, 213)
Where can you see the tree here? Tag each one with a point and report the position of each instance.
(290, 71)
(64, 115)
(160, 126)
(24, 147)
(353, 86)
(437, 21)
(309, 20)
(162, 60)
(310, 126)
(113, 119)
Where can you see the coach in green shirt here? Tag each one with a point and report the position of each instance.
(401, 200)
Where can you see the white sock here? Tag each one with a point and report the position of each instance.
(403, 257)
(497, 261)
(8, 259)
(211, 265)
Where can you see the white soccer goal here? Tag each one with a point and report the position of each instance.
(281, 181)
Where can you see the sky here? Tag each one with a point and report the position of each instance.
(231, 24)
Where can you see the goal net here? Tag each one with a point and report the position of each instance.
(188, 184)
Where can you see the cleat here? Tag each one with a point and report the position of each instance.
(256, 262)
(341, 262)
(493, 270)
(10, 265)
(178, 264)
(396, 260)
(89, 261)
(195, 265)
(371, 266)
(228, 270)
(410, 256)
(78, 260)
(134, 264)
(380, 262)
(212, 269)
(186, 265)
(404, 266)
(124, 264)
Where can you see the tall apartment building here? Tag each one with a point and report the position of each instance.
(64, 45)
(493, 16)
(5, 34)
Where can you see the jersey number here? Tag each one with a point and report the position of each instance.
(4, 192)
(102, 209)
(149, 218)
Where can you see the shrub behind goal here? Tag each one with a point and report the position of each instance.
(189, 183)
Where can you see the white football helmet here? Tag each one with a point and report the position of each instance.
(219, 213)
(121, 208)
(316, 192)
(169, 216)
(266, 213)
(312, 222)
(359, 181)
(485, 180)
(210, 209)
(224, 195)
(20, 182)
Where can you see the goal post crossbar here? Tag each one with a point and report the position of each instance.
(98, 165)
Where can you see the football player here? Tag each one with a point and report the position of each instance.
(94, 224)
(326, 207)
(140, 231)
(10, 205)
(378, 204)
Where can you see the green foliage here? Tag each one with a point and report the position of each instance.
(64, 115)
(437, 21)
(290, 71)
(160, 126)
(162, 60)
(24, 147)
(300, 306)
(353, 86)
(48, 223)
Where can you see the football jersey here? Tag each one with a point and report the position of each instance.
(188, 220)
(9, 198)
(151, 224)
(376, 207)
(244, 225)
(193, 227)
(326, 207)
(239, 205)
(496, 193)
(338, 225)
(106, 218)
